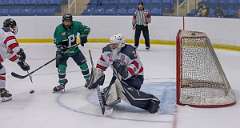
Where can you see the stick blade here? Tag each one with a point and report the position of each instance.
(17, 75)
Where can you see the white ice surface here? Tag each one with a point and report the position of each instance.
(77, 107)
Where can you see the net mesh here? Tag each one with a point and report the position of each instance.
(202, 81)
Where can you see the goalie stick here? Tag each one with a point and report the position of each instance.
(99, 94)
(30, 73)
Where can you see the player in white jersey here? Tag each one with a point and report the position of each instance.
(9, 49)
(129, 69)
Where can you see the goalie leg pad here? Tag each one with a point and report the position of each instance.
(153, 106)
(112, 93)
(135, 82)
(141, 99)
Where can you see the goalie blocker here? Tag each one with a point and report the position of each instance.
(127, 78)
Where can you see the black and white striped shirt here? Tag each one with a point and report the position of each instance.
(141, 17)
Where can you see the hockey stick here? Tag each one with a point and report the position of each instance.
(30, 73)
(30, 78)
(100, 100)
(99, 94)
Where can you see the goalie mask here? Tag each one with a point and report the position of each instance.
(117, 42)
(10, 25)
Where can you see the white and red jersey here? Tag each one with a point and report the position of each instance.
(127, 56)
(9, 46)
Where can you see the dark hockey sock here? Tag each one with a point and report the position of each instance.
(61, 74)
(85, 71)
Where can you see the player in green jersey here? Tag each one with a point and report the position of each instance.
(65, 38)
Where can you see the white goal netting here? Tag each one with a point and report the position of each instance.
(201, 81)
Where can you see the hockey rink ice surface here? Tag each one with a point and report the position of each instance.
(78, 107)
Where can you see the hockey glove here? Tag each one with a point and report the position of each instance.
(83, 40)
(21, 55)
(98, 78)
(61, 49)
(120, 68)
(23, 65)
(21, 60)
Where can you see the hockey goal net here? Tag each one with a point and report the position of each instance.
(200, 79)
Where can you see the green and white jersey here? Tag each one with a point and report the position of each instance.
(68, 36)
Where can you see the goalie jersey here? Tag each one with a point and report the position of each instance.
(9, 46)
(127, 56)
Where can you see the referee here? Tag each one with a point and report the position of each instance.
(141, 19)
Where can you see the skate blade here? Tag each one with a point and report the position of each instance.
(6, 99)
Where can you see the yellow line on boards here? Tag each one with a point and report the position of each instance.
(223, 46)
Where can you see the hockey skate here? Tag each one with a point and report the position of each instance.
(88, 82)
(5, 95)
(60, 87)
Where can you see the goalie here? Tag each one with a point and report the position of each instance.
(127, 79)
